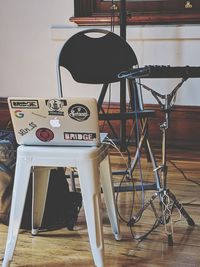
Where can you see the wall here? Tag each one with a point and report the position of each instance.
(27, 53)
(32, 33)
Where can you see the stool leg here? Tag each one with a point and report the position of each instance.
(108, 193)
(40, 186)
(91, 193)
(21, 180)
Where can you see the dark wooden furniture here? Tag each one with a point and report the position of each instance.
(98, 12)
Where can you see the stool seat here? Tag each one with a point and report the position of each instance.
(92, 163)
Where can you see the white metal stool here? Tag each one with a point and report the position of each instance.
(91, 163)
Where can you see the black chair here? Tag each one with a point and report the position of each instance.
(96, 59)
(97, 56)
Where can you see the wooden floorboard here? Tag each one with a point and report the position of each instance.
(71, 248)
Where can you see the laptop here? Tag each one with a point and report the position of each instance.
(68, 121)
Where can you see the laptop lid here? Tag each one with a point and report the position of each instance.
(55, 121)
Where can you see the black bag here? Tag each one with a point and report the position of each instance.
(8, 147)
(6, 186)
(62, 206)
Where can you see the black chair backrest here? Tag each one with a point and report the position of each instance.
(96, 60)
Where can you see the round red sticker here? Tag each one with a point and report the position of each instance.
(44, 134)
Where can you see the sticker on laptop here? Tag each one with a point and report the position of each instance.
(39, 115)
(44, 134)
(56, 106)
(79, 112)
(20, 104)
(80, 136)
(28, 129)
(19, 114)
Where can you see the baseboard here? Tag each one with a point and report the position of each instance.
(183, 132)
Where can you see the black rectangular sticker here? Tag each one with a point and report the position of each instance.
(31, 104)
(80, 136)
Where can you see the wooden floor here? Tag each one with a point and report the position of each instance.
(71, 248)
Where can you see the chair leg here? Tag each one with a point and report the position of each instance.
(91, 193)
(108, 193)
(21, 180)
(40, 186)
